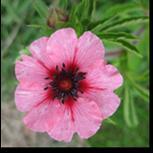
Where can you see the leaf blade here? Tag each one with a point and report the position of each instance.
(126, 105)
(144, 93)
(125, 22)
(113, 35)
(126, 45)
(121, 8)
(41, 8)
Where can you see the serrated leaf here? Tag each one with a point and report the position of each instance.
(41, 8)
(125, 22)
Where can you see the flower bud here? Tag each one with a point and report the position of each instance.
(56, 15)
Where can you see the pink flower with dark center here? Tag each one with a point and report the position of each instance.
(66, 87)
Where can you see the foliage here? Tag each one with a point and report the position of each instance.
(123, 28)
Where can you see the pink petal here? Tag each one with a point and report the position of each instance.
(43, 116)
(26, 97)
(89, 49)
(64, 129)
(113, 79)
(38, 50)
(107, 101)
(101, 76)
(61, 46)
(87, 117)
(29, 71)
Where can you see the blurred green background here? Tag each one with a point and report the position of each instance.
(124, 29)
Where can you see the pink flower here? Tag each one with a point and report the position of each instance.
(66, 87)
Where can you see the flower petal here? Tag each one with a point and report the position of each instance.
(112, 78)
(107, 101)
(43, 116)
(64, 129)
(87, 117)
(89, 49)
(29, 71)
(102, 76)
(61, 46)
(38, 50)
(26, 97)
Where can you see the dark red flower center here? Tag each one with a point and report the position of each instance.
(66, 82)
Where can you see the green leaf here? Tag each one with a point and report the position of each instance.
(74, 13)
(24, 6)
(98, 25)
(86, 7)
(144, 42)
(133, 113)
(142, 90)
(111, 121)
(83, 10)
(144, 93)
(129, 111)
(35, 26)
(41, 8)
(23, 51)
(119, 91)
(128, 46)
(121, 8)
(45, 30)
(63, 4)
(126, 107)
(113, 35)
(143, 76)
(93, 10)
(125, 22)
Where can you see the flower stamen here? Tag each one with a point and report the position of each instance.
(67, 82)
